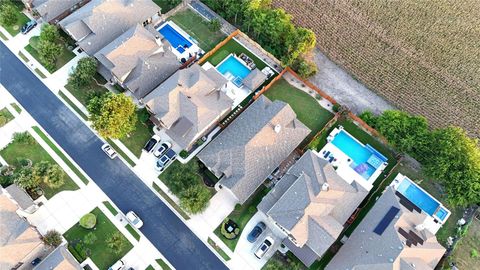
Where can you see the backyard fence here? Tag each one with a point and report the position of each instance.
(266, 87)
(217, 47)
(311, 85)
(328, 125)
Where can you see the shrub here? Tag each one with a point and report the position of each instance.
(225, 233)
(49, 33)
(195, 199)
(143, 115)
(183, 154)
(214, 25)
(88, 221)
(318, 96)
(89, 238)
(3, 120)
(52, 238)
(369, 118)
(8, 14)
(83, 73)
(24, 179)
(23, 138)
(336, 107)
(50, 174)
(304, 68)
(116, 242)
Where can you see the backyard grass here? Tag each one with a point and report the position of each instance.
(74, 107)
(120, 152)
(218, 249)
(64, 57)
(305, 106)
(21, 20)
(16, 107)
(23, 56)
(467, 252)
(137, 138)
(241, 215)
(110, 208)
(198, 28)
(171, 202)
(15, 152)
(99, 252)
(5, 116)
(167, 5)
(83, 93)
(162, 264)
(133, 232)
(232, 46)
(61, 155)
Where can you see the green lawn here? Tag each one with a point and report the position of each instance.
(171, 202)
(242, 214)
(467, 252)
(23, 57)
(5, 116)
(132, 231)
(137, 139)
(2, 36)
(167, 5)
(99, 252)
(16, 151)
(83, 93)
(16, 107)
(110, 208)
(232, 46)
(21, 19)
(305, 106)
(218, 249)
(198, 28)
(120, 152)
(40, 73)
(65, 56)
(162, 264)
(61, 155)
(74, 107)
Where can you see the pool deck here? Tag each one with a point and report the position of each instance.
(192, 50)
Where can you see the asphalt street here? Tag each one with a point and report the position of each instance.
(161, 226)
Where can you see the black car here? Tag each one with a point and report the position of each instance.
(36, 261)
(28, 26)
(255, 233)
(150, 145)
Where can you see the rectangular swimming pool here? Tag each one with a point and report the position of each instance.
(418, 197)
(177, 40)
(233, 69)
(365, 159)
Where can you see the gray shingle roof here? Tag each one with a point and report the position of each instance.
(100, 21)
(60, 259)
(254, 79)
(50, 9)
(312, 215)
(368, 250)
(20, 196)
(253, 145)
(138, 59)
(188, 103)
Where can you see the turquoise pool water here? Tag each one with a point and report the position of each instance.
(232, 66)
(176, 39)
(441, 213)
(365, 159)
(420, 198)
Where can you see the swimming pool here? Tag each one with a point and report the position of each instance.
(233, 69)
(365, 159)
(177, 40)
(418, 197)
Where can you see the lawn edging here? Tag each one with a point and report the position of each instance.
(218, 249)
(170, 201)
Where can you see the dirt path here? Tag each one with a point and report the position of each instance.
(337, 83)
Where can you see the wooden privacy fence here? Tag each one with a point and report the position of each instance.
(311, 85)
(266, 87)
(219, 45)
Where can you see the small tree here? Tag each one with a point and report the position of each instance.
(49, 52)
(23, 138)
(195, 199)
(214, 25)
(49, 33)
(89, 238)
(88, 221)
(113, 115)
(8, 14)
(55, 176)
(83, 72)
(304, 68)
(52, 238)
(24, 179)
(116, 242)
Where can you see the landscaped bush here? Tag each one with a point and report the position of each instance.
(304, 68)
(229, 229)
(336, 107)
(195, 199)
(183, 154)
(50, 174)
(52, 238)
(214, 25)
(83, 73)
(23, 138)
(88, 221)
(116, 242)
(24, 179)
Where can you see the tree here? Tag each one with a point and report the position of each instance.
(8, 14)
(55, 176)
(88, 221)
(116, 242)
(52, 238)
(214, 25)
(89, 238)
(369, 118)
(304, 67)
(83, 72)
(48, 52)
(195, 199)
(49, 33)
(113, 115)
(24, 179)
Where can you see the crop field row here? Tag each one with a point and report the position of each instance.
(423, 56)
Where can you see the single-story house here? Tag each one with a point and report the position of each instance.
(53, 11)
(311, 204)
(188, 104)
(138, 60)
(391, 236)
(249, 149)
(59, 259)
(99, 22)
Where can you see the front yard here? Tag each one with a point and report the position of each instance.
(142, 133)
(83, 93)
(232, 46)
(5, 116)
(102, 255)
(17, 151)
(64, 57)
(198, 28)
(22, 19)
(241, 215)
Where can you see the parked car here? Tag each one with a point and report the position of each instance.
(109, 151)
(28, 26)
(36, 261)
(255, 233)
(117, 266)
(164, 160)
(264, 247)
(150, 145)
(162, 149)
(134, 219)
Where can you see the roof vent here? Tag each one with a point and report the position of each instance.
(325, 186)
(413, 265)
(277, 128)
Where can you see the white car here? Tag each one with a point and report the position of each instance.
(117, 266)
(162, 149)
(134, 219)
(109, 151)
(264, 247)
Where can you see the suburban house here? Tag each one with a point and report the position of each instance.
(311, 204)
(253, 146)
(99, 22)
(138, 60)
(18, 240)
(391, 236)
(53, 11)
(188, 104)
(60, 259)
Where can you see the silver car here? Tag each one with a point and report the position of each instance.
(264, 247)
